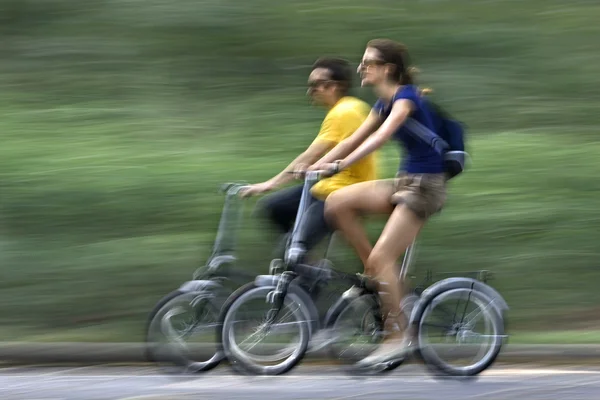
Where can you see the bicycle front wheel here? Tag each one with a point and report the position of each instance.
(257, 345)
(460, 332)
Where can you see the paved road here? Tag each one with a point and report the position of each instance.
(409, 383)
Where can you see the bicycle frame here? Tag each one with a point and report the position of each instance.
(282, 279)
(207, 277)
(277, 286)
(226, 239)
(294, 251)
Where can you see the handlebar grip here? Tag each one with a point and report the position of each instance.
(312, 175)
(227, 187)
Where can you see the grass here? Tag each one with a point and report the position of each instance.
(557, 337)
(535, 231)
(115, 141)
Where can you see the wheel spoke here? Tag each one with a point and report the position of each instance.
(464, 352)
(250, 350)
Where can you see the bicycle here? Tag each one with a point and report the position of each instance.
(199, 300)
(282, 290)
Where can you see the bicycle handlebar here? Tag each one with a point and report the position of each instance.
(312, 175)
(232, 188)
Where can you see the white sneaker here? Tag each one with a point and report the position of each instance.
(319, 340)
(388, 351)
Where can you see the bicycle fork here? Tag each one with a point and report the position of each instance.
(277, 296)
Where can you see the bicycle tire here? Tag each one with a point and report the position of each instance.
(184, 364)
(244, 364)
(436, 364)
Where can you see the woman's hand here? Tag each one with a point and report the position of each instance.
(329, 169)
(316, 166)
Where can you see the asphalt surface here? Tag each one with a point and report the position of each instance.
(410, 382)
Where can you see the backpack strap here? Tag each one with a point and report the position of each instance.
(427, 135)
(454, 160)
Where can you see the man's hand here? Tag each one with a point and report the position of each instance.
(257, 188)
(299, 170)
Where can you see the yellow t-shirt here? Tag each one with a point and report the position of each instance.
(340, 122)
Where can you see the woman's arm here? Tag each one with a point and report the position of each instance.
(400, 111)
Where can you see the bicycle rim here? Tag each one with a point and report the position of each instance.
(458, 326)
(260, 347)
(181, 333)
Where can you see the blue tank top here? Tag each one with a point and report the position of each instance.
(419, 156)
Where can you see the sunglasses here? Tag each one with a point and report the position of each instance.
(370, 62)
(318, 82)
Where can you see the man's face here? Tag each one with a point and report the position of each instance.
(320, 88)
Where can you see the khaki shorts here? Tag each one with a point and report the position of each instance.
(424, 194)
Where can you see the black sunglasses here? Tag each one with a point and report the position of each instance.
(314, 84)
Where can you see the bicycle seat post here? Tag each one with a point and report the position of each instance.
(407, 261)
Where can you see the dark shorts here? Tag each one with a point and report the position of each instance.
(281, 209)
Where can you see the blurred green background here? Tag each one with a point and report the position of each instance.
(120, 118)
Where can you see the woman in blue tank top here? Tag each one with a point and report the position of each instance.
(410, 199)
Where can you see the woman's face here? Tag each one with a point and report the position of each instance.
(372, 68)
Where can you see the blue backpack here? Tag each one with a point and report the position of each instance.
(449, 138)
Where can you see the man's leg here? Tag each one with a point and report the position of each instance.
(313, 227)
(280, 208)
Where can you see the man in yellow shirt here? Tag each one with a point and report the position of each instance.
(328, 86)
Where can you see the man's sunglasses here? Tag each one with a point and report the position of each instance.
(318, 82)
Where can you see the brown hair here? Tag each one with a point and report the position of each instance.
(395, 53)
(413, 71)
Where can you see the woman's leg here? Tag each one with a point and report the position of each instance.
(344, 207)
(400, 231)
(417, 199)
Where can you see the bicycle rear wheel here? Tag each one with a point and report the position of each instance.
(448, 332)
(257, 346)
(355, 329)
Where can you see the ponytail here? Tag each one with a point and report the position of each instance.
(409, 78)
